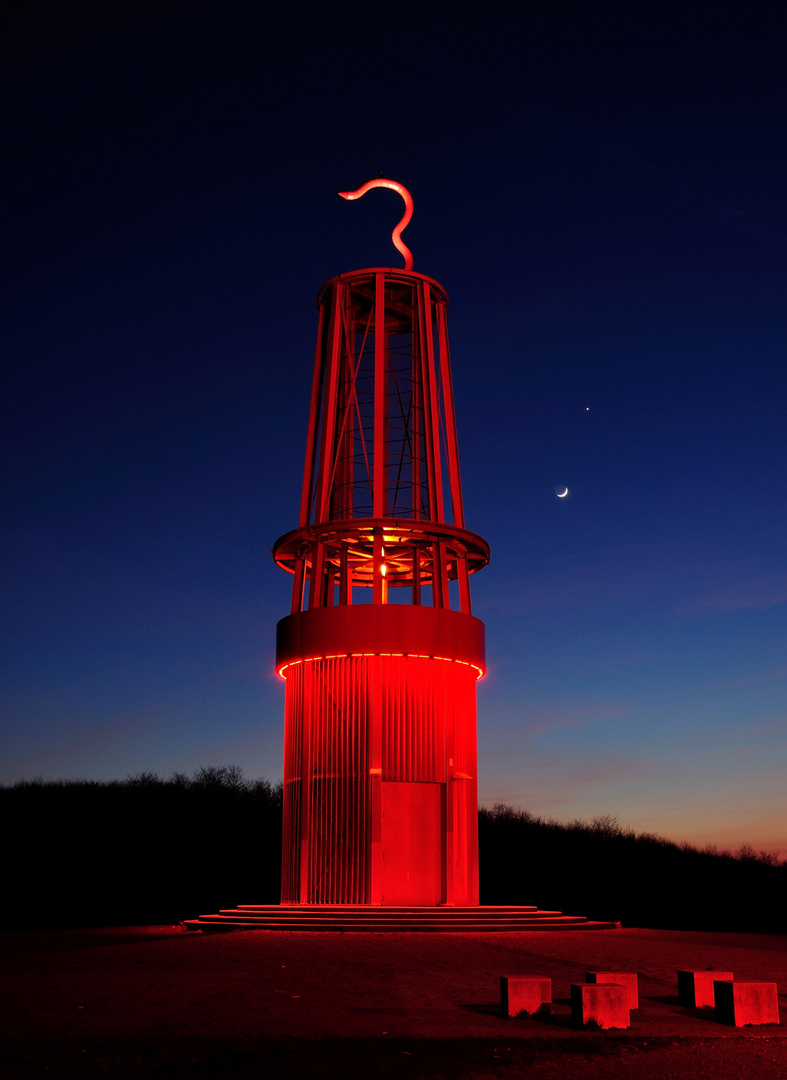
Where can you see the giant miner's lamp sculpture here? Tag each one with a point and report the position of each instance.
(381, 651)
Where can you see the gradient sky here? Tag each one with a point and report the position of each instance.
(600, 188)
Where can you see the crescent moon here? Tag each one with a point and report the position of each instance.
(561, 494)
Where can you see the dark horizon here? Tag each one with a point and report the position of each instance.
(595, 870)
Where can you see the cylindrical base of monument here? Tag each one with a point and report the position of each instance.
(380, 795)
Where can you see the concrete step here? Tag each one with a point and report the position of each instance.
(364, 909)
(388, 913)
(390, 919)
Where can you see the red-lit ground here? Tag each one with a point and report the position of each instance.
(154, 1002)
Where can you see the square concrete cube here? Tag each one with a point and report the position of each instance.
(741, 1003)
(603, 1005)
(695, 988)
(621, 978)
(527, 994)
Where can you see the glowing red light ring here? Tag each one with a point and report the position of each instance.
(396, 235)
(344, 656)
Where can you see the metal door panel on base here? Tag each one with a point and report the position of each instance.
(412, 844)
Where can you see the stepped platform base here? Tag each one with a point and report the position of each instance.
(390, 919)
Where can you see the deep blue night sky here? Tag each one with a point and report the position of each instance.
(601, 189)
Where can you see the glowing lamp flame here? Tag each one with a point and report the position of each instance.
(396, 235)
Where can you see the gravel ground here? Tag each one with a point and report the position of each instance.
(156, 1001)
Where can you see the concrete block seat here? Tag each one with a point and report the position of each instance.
(603, 1005)
(525, 994)
(742, 1003)
(392, 919)
(621, 978)
(695, 987)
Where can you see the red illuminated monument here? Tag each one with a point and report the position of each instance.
(381, 652)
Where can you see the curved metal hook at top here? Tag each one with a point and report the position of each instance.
(396, 235)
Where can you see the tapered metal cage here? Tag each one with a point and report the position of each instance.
(380, 743)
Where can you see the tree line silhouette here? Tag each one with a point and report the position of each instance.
(150, 850)
(605, 871)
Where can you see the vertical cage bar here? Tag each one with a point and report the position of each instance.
(452, 450)
(314, 412)
(297, 585)
(465, 602)
(379, 495)
(427, 388)
(316, 578)
(328, 426)
(437, 508)
(416, 410)
(378, 589)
